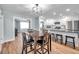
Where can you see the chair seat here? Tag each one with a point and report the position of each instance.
(30, 41)
(41, 42)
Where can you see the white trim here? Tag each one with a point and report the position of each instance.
(14, 27)
(7, 40)
(2, 28)
(21, 18)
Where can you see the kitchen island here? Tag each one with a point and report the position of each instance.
(67, 33)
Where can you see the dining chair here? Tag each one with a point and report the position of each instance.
(27, 43)
(43, 44)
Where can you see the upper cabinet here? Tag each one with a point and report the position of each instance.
(69, 25)
(76, 25)
(73, 25)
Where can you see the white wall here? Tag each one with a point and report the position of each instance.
(1, 27)
(53, 25)
(68, 21)
(35, 23)
(9, 28)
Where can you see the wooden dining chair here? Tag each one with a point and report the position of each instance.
(43, 44)
(27, 44)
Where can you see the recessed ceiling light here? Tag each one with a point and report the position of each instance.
(60, 14)
(67, 9)
(54, 13)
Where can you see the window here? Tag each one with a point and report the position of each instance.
(24, 25)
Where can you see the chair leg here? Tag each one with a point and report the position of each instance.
(74, 43)
(26, 50)
(22, 51)
(56, 39)
(66, 41)
(35, 48)
(61, 40)
(42, 48)
(48, 48)
(50, 43)
(31, 47)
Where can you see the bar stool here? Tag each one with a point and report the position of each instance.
(61, 38)
(73, 38)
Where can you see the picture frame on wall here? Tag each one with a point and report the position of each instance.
(48, 26)
(57, 23)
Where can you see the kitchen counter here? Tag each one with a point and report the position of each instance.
(68, 33)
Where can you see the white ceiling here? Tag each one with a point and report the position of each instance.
(50, 11)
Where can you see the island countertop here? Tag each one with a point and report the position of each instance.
(67, 33)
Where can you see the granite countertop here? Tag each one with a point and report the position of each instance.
(67, 31)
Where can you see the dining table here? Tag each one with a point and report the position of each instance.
(36, 37)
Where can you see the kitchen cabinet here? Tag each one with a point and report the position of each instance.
(76, 25)
(73, 25)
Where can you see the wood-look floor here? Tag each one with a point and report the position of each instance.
(62, 49)
(58, 48)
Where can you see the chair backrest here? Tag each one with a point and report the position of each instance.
(24, 38)
(36, 35)
(46, 36)
(27, 38)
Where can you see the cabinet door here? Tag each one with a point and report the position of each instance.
(69, 25)
(1, 28)
(76, 25)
